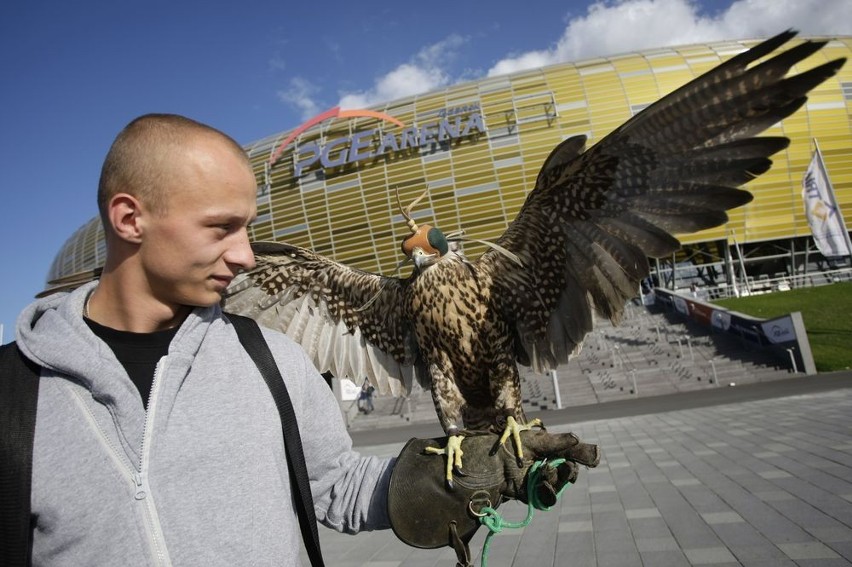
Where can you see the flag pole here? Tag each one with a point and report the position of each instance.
(833, 198)
(742, 263)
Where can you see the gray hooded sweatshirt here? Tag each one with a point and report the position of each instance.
(200, 478)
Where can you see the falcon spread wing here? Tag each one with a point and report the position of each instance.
(350, 322)
(579, 245)
(585, 230)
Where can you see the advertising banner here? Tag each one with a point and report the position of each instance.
(761, 331)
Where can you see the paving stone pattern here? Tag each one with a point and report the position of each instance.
(762, 483)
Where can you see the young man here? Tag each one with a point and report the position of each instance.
(157, 442)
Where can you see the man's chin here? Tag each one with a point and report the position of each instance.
(209, 299)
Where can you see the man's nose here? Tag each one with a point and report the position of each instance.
(240, 253)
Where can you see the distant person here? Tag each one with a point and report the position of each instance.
(365, 398)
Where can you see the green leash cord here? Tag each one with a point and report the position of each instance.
(495, 522)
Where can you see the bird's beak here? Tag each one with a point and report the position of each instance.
(421, 259)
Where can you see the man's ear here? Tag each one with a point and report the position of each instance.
(125, 212)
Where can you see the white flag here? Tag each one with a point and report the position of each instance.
(822, 213)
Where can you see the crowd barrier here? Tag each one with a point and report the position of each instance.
(785, 335)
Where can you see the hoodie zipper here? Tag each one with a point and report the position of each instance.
(140, 478)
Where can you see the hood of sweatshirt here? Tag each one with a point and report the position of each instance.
(52, 333)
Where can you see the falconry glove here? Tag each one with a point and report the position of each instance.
(425, 514)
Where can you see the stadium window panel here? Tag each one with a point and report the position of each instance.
(603, 91)
(437, 172)
(486, 228)
(502, 138)
(354, 237)
(589, 70)
(471, 183)
(471, 154)
(474, 175)
(573, 109)
(704, 236)
(640, 89)
(827, 122)
(668, 64)
(341, 184)
(510, 174)
(531, 94)
(495, 98)
(410, 174)
(565, 87)
(670, 81)
(262, 232)
(347, 210)
(579, 128)
(514, 161)
(543, 136)
(496, 84)
(513, 204)
(471, 100)
(502, 153)
(287, 232)
(609, 103)
(631, 66)
(702, 63)
(315, 207)
(836, 136)
(569, 99)
(285, 220)
(369, 186)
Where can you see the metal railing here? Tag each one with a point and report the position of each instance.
(765, 284)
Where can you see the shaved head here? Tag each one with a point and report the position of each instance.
(143, 157)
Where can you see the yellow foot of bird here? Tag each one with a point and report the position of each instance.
(454, 454)
(514, 429)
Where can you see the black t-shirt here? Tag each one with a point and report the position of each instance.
(139, 353)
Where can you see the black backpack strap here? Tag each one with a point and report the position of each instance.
(252, 340)
(18, 403)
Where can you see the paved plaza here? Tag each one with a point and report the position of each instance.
(758, 480)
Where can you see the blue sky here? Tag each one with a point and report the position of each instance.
(74, 73)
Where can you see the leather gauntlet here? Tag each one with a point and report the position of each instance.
(425, 513)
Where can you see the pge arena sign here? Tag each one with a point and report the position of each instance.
(450, 124)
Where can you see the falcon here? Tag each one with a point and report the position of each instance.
(579, 246)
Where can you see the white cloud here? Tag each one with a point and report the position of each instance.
(629, 25)
(301, 96)
(608, 27)
(426, 71)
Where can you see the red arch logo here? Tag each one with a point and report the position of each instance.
(328, 115)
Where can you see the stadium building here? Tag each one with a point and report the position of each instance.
(331, 183)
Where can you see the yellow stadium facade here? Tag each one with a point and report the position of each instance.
(331, 184)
